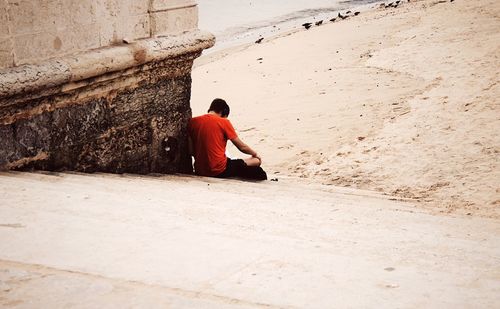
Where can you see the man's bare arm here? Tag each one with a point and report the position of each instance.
(244, 148)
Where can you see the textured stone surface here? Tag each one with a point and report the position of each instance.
(140, 128)
(6, 55)
(173, 20)
(42, 29)
(97, 63)
(121, 109)
(4, 20)
(97, 85)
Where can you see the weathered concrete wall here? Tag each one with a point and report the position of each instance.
(75, 97)
(34, 30)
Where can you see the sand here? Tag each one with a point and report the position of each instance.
(71, 240)
(402, 101)
(240, 22)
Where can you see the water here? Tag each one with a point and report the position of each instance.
(236, 22)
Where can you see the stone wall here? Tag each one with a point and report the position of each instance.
(74, 96)
(34, 30)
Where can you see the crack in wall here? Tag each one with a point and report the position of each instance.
(150, 11)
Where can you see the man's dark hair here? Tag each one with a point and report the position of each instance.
(219, 106)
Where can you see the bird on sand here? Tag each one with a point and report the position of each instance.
(356, 13)
(318, 23)
(348, 12)
(333, 19)
(342, 16)
(259, 41)
(307, 25)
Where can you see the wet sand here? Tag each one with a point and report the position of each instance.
(242, 22)
(399, 100)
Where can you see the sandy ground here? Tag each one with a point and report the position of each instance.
(111, 241)
(402, 101)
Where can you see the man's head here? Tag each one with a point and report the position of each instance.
(220, 107)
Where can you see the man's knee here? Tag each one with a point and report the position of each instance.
(258, 161)
(253, 161)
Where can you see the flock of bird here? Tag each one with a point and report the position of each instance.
(339, 16)
(391, 5)
(319, 23)
(343, 16)
(347, 14)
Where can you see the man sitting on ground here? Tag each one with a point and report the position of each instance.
(208, 136)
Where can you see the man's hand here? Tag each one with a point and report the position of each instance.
(247, 150)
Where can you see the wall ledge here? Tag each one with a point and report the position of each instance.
(81, 66)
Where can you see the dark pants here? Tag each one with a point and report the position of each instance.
(238, 168)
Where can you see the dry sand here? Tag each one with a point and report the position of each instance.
(402, 101)
(123, 241)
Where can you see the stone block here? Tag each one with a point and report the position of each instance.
(174, 21)
(82, 12)
(22, 16)
(111, 9)
(4, 20)
(23, 48)
(43, 29)
(138, 7)
(108, 34)
(140, 26)
(49, 15)
(111, 19)
(57, 16)
(85, 38)
(54, 28)
(6, 56)
(29, 48)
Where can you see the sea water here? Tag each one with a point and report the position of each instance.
(236, 22)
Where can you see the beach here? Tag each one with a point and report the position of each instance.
(402, 101)
(379, 136)
(240, 22)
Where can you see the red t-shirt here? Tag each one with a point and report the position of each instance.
(209, 134)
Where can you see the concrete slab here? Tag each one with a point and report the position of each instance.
(87, 241)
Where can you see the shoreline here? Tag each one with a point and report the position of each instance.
(400, 101)
(292, 26)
